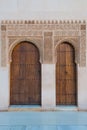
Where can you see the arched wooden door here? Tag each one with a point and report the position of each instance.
(25, 81)
(66, 91)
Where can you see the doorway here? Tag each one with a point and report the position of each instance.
(25, 72)
(66, 90)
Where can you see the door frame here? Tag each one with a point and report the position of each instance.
(10, 60)
(77, 67)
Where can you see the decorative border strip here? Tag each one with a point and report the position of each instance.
(43, 21)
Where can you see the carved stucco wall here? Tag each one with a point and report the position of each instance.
(46, 35)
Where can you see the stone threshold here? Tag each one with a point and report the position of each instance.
(39, 108)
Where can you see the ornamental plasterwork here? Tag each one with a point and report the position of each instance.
(74, 41)
(32, 39)
(13, 41)
(73, 32)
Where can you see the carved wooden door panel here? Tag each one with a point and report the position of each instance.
(66, 75)
(25, 75)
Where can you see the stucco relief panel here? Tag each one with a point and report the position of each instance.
(37, 32)
(3, 46)
(74, 41)
(13, 41)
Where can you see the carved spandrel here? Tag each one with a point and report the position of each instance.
(72, 40)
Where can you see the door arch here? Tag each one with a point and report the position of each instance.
(66, 90)
(25, 75)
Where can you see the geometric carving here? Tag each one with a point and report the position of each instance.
(83, 27)
(11, 40)
(46, 35)
(24, 33)
(74, 41)
(67, 33)
(3, 48)
(48, 47)
(83, 48)
(35, 40)
(3, 27)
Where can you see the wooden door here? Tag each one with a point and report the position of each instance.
(66, 75)
(25, 75)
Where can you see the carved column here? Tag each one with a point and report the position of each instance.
(3, 45)
(48, 47)
(48, 72)
(83, 46)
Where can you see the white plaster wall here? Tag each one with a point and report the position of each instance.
(82, 84)
(4, 88)
(48, 85)
(43, 9)
(82, 88)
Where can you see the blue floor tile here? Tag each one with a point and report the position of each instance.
(47, 127)
(61, 120)
(44, 127)
(12, 127)
(72, 128)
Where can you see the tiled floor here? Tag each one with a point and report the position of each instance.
(58, 120)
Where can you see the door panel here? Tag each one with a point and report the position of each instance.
(25, 75)
(65, 75)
